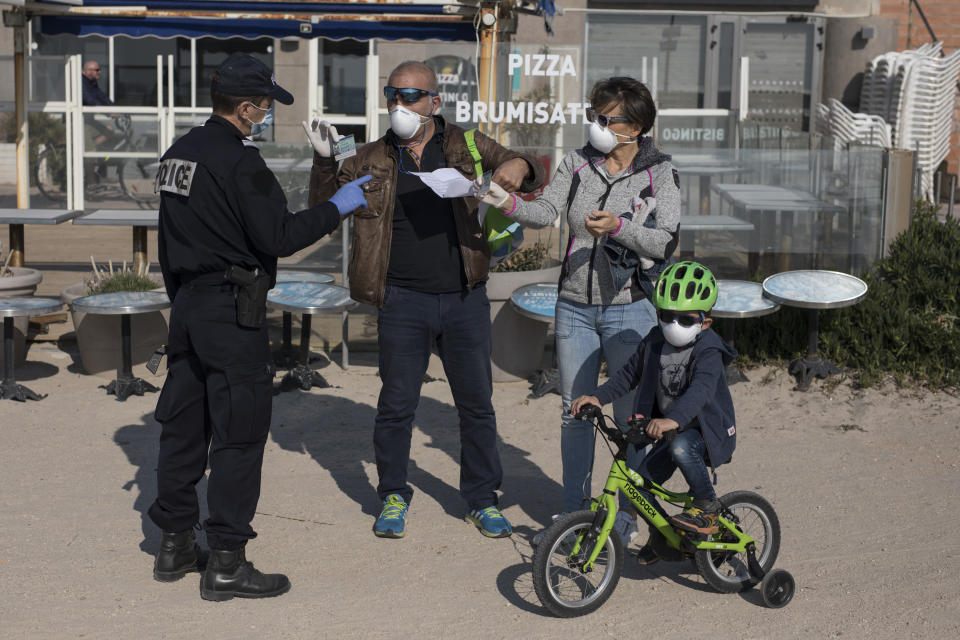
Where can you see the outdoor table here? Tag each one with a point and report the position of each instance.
(539, 302)
(308, 298)
(813, 290)
(124, 304)
(762, 199)
(720, 223)
(739, 299)
(139, 219)
(11, 308)
(706, 166)
(16, 218)
(285, 355)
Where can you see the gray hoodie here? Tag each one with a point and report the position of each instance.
(586, 275)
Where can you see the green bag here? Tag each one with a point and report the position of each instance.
(504, 236)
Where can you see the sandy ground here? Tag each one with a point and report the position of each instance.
(851, 475)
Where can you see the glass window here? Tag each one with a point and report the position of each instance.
(343, 75)
(213, 51)
(618, 43)
(89, 48)
(780, 73)
(135, 66)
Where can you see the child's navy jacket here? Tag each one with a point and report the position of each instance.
(706, 397)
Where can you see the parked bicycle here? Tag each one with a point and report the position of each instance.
(577, 564)
(134, 176)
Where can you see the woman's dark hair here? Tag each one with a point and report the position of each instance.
(634, 99)
(224, 104)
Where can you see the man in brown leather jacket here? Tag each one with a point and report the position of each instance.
(423, 261)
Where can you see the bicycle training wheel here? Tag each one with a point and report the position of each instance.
(560, 584)
(727, 571)
(137, 182)
(50, 173)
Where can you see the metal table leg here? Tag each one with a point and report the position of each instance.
(732, 372)
(812, 365)
(303, 376)
(126, 383)
(285, 356)
(9, 389)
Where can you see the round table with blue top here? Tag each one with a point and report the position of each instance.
(739, 299)
(539, 302)
(124, 304)
(18, 307)
(814, 290)
(535, 301)
(307, 298)
(286, 355)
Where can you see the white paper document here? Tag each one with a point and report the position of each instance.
(447, 183)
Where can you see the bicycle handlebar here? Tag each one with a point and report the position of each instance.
(636, 435)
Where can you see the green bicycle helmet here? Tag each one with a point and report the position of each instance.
(685, 286)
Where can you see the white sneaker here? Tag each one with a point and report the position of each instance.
(539, 536)
(626, 526)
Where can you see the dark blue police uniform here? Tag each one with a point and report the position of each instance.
(219, 206)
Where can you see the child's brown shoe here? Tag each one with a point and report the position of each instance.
(696, 520)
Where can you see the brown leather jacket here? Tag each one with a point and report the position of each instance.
(373, 226)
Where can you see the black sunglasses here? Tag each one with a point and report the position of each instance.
(683, 319)
(407, 96)
(604, 121)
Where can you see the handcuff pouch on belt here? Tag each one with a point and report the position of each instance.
(251, 295)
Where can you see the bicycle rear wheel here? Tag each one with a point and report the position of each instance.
(50, 173)
(557, 579)
(727, 571)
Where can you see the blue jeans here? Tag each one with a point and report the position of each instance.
(686, 453)
(458, 324)
(585, 333)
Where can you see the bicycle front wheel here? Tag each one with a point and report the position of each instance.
(563, 588)
(137, 182)
(727, 571)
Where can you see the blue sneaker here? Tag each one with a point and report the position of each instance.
(393, 518)
(490, 522)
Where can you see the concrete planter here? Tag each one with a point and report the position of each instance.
(23, 283)
(518, 341)
(98, 336)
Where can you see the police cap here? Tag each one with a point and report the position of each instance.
(243, 76)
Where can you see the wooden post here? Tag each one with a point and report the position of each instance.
(22, 156)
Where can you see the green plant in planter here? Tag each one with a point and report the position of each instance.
(108, 280)
(525, 259)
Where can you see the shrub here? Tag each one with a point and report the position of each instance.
(906, 326)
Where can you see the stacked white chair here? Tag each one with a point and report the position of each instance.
(914, 92)
(845, 126)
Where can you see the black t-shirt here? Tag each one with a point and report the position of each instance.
(425, 252)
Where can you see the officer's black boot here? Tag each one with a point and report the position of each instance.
(178, 556)
(229, 574)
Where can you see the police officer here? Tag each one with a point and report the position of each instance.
(223, 223)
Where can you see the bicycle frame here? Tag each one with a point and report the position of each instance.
(625, 480)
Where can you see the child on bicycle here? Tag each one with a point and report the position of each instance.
(679, 370)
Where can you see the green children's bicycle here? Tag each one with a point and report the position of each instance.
(577, 564)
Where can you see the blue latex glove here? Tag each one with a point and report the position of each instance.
(350, 196)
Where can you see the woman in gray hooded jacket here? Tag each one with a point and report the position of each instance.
(620, 194)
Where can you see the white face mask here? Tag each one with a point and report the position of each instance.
(406, 123)
(603, 139)
(679, 336)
